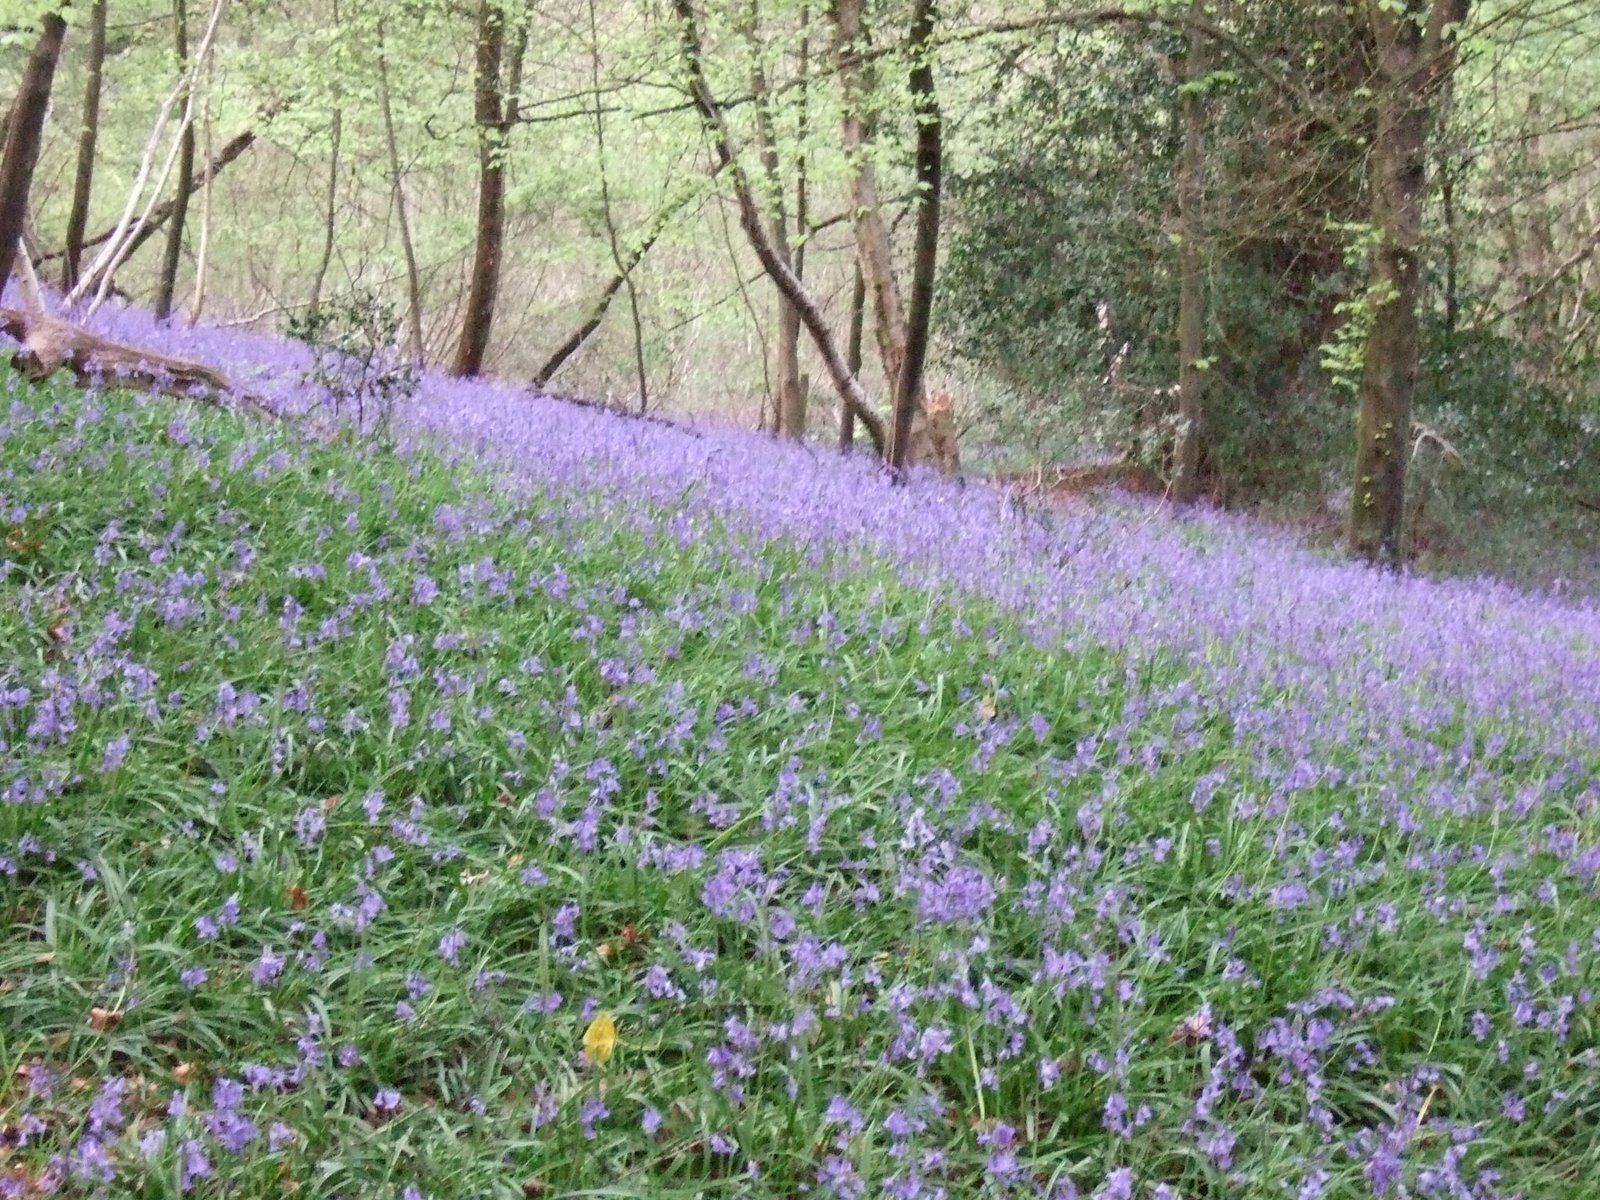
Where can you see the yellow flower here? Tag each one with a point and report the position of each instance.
(600, 1039)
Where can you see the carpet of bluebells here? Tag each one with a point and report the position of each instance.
(917, 842)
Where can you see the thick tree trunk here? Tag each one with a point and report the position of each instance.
(1191, 290)
(180, 200)
(23, 136)
(845, 383)
(925, 260)
(489, 120)
(1389, 376)
(1412, 57)
(88, 138)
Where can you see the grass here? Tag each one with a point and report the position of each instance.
(346, 791)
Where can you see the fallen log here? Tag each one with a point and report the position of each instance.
(48, 344)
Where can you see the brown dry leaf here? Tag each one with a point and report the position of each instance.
(104, 1020)
(298, 900)
(183, 1074)
(328, 804)
(18, 541)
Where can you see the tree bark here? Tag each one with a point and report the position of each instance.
(24, 133)
(488, 118)
(925, 258)
(186, 144)
(88, 139)
(846, 384)
(1411, 56)
(1191, 290)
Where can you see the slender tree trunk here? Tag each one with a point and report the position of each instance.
(624, 272)
(102, 274)
(657, 227)
(874, 250)
(789, 404)
(24, 132)
(147, 228)
(330, 211)
(1191, 291)
(186, 142)
(88, 137)
(489, 120)
(1411, 56)
(397, 184)
(847, 385)
(858, 321)
(794, 413)
(925, 258)
(202, 257)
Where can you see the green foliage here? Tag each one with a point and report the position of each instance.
(1344, 354)
(1053, 224)
(1062, 267)
(357, 366)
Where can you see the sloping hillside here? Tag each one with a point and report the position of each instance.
(569, 806)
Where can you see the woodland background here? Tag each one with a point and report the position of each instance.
(1183, 246)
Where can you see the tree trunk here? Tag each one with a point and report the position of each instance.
(1191, 291)
(789, 406)
(858, 321)
(794, 403)
(153, 224)
(24, 133)
(88, 137)
(874, 250)
(925, 260)
(402, 220)
(608, 213)
(1411, 58)
(180, 201)
(658, 226)
(330, 211)
(489, 120)
(846, 384)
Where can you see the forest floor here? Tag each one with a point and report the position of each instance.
(550, 805)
